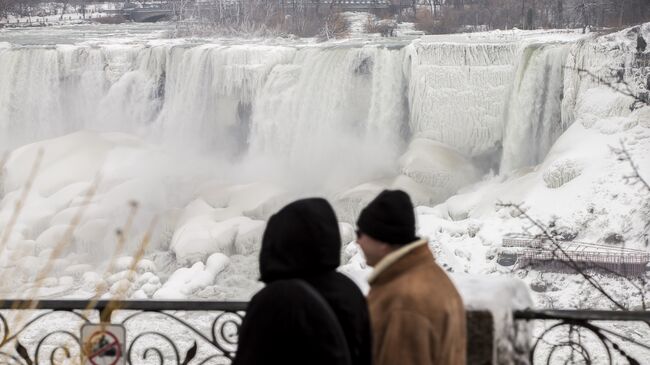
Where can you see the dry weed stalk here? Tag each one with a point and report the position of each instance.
(142, 248)
(20, 203)
(58, 248)
(3, 160)
(122, 235)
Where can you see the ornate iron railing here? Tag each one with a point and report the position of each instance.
(588, 337)
(44, 331)
(177, 332)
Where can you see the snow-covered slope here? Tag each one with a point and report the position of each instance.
(579, 188)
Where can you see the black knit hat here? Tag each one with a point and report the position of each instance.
(389, 218)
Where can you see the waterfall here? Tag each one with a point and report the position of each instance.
(457, 93)
(307, 104)
(533, 118)
(329, 105)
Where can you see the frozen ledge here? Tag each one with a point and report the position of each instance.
(492, 332)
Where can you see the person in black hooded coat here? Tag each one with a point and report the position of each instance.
(284, 324)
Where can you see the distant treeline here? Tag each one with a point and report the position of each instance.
(304, 17)
(453, 15)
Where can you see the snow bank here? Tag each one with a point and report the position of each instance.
(185, 281)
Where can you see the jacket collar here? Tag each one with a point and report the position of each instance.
(391, 258)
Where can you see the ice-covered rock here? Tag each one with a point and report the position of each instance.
(201, 237)
(91, 234)
(78, 270)
(54, 236)
(434, 171)
(123, 263)
(49, 282)
(249, 237)
(216, 263)
(561, 172)
(121, 288)
(348, 204)
(91, 278)
(185, 281)
(121, 275)
(256, 201)
(146, 266)
(66, 280)
(348, 233)
(66, 160)
(139, 294)
(195, 208)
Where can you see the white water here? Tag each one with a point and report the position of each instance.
(302, 103)
(534, 110)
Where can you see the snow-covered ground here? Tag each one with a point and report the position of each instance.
(211, 136)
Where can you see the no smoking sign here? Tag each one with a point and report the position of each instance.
(103, 344)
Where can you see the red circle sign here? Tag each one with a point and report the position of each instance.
(104, 348)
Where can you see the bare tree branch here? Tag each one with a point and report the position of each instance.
(565, 258)
(623, 155)
(627, 90)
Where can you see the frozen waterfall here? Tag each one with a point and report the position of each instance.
(306, 104)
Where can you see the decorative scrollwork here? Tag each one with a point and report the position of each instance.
(5, 329)
(577, 339)
(224, 334)
(53, 352)
(150, 349)
(19, 354)
(26, 346)
(227, 335)
(8, 337)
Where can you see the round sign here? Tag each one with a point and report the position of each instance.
(103, 348)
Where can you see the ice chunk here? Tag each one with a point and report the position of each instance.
(53, 236)
(348, 204)
(67, 160)
(216, 263)
(201, 237)
(249, 237)
(440, 170)
(185, 281)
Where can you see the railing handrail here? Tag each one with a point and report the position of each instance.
(234, 306)
(583, 315)
(142, 305)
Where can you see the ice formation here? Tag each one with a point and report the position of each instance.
(209, 138)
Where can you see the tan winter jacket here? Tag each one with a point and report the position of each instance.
(416, 313)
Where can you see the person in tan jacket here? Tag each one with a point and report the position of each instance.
(416, 313)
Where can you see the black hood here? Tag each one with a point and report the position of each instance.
(301, 240)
